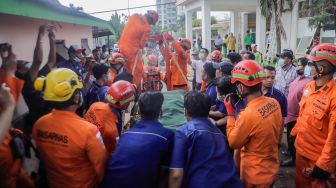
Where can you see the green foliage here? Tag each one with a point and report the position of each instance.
(196, 22)
(322, 12)
(213, 20)
(118, 23)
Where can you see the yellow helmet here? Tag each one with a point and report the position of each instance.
(59, 85)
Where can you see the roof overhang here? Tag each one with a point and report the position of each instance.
(51, 10)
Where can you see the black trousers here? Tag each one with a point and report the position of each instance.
(248, 47)
(291, 139)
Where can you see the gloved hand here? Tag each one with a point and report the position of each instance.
(228, 105)
(320, 174)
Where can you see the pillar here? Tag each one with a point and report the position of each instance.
(244, 27)
(188, 22)
(206, 25)
(234, 27)
(260, 31)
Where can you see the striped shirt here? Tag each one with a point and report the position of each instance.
(283, 78)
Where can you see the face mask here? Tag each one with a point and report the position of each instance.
(106, 53)
(220, 98)
(201, 55)
(281, 62)
(307, 71)
(76, 59)
(108, 77)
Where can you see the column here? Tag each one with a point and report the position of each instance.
(293, 35)
(188, 22)
(244, 27)
(206, 25)
(234, 27)
(260, 31)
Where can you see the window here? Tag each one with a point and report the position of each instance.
(85, 45)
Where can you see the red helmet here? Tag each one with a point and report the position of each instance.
(152, 59)
(248, 72)
(186, 43)
(120, 94)
(216, 56)
(154, 15)
(323, 52)
(117, 58)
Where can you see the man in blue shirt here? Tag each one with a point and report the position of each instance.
(141, 150)
(200, 156)
(269, 91)
(208, 76)
(75, 61)
(100, 72)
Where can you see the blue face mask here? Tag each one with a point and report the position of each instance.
(108, 77)
(281, 62)
(307, 71)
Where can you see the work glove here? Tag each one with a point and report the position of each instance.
(228, 105)
(320, 174)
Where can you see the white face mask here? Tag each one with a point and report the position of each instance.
(76, 59)
(201, 55)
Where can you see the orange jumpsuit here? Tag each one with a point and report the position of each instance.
(71, 148)
(11, 172)
(257, 132)
(100, 114)
(13, 83)
(315, 132)
(181, 57)
(134, 37)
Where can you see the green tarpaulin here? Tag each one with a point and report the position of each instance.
(173, 109)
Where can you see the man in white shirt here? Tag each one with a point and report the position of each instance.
(197, 65)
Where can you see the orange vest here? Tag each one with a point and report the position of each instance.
(13, 83)
(257, 132)
(315, 128)
(100, 115)
(180, 57)
(71, 148)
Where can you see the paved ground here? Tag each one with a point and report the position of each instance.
(286, 174)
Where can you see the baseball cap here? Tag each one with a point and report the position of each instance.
(287, 53)
(75, 48)
(226, 68)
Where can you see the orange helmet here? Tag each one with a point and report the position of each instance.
(323, 52)
(152, 60)
(248, 72)
(117, 58)
(185, 43)
(120, 94)
(216, 56)
(154, 15)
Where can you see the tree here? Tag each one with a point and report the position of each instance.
(274, 9)
(322, 14)
(72, 6)
(213, 20)
(118, 23)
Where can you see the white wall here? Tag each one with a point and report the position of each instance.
(21, 32)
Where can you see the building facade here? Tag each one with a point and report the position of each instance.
(167, 13)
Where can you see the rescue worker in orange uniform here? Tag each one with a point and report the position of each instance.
(107, 116)
(8, 69)
(11, 173)
(315, 129)
(152, 73)
(71, 148)
(257, 129)
(179, 62)
(116, 62)
(133, 39)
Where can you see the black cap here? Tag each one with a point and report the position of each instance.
(74, 48)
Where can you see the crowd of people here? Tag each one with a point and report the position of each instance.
(236, 112)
